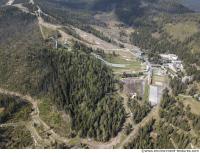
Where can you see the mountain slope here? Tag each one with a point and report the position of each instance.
(75, 81)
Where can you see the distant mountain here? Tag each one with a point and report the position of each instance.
(126, 10)
(192, 4)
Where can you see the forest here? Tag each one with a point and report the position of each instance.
(84, 88)
(74, 80)
(13, 108)
(174, 128)
(139, 109)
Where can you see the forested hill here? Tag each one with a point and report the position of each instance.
(75, 81)
(128, 11)
(192, 4)
(131, 11)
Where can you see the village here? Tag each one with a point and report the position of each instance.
(155, 78)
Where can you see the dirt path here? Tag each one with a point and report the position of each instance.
(34, 134)
(35, 119)
(94, 43)
(173, 143)
(22, 8)
(64, 36)
(151, 115)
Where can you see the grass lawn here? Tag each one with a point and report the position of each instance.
(181, 31)
(194, 104)
(59, 122)
(132, 64)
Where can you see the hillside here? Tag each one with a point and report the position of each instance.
(91, 74)
(192, 4)
(74, 81)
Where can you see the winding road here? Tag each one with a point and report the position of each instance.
(39, 141)
(35, 120)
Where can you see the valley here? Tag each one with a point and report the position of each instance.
(135, 84)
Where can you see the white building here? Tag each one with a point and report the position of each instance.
(172, 62)
(170, 57)
(155, 95)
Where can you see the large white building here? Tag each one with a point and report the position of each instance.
(170, 57)
(155, 95)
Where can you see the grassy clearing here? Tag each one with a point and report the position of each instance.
(181, 31)
(48, 32)
(59, 121)
(194, 104)
(132, 64)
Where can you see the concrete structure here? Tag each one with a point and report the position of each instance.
(155, 94)
(171, 61)
(134, 86)
(170, 57)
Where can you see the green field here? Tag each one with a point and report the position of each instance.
(132, 64)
